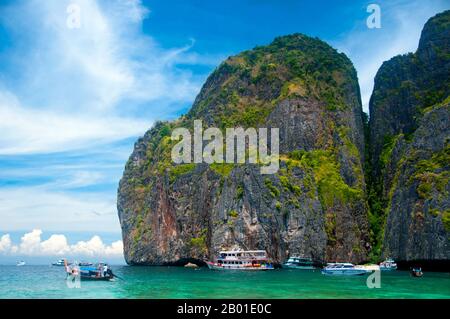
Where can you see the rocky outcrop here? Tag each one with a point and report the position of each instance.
(407, 84)
(409, 141)
(418, 211)
(315, 205)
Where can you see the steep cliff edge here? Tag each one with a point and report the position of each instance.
(409, 143)
(314, 205)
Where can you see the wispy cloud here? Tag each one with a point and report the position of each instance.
(62, 192)
(48, 208)
(73, 101)
(27, 130)
(402, 22)
(73, 88)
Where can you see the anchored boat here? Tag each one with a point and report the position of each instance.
(344, 269)
(241, 260)
(21, 263)
(60, 262)
(99, 272)
(388, 264)
(416, 272)
(296, 262)
(85, 264)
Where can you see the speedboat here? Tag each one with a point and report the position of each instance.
(21, 263)
(295, 262)
(344, 269)
(241, 260)
(388, 264)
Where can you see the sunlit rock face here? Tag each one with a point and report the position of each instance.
(315, 205)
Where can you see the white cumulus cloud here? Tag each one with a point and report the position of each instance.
(6, 244)
(95, 245)
(31, 244)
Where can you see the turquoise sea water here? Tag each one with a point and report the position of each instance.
(176, 282)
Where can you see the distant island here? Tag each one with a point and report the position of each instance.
(349, 189)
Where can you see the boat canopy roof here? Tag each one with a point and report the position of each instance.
(88, 268)
(242, 251)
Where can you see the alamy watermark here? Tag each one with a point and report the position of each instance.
(74, 16)
(374, 280)
(239, 143)
(374, 20)
(73, 279)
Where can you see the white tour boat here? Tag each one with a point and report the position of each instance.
(61, 262)
(388, 264)
(241, 260)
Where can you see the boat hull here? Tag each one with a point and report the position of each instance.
(213, 266)
(284, 266)
(387, 268)
(344, 272)
(90, 278)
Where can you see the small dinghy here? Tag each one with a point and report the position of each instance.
(416, 272)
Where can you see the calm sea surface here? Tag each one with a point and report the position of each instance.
(174, 282)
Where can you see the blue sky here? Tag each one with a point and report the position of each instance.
(73, 101)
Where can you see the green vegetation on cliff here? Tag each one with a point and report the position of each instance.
(408, 173)
(319, 184)
(253, 82)
(326, 172)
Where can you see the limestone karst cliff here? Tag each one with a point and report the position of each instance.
(409, 143)
(314, 205)
(346, 190)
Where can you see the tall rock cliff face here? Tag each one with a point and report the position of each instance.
(409, 140)
(314, 205)
(407, 84)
